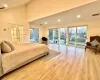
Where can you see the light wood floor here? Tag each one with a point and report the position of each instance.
(72, 64)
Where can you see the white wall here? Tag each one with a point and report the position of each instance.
(41, 8)
(93, 27)
(15, 15)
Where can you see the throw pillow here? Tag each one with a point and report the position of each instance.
(94, 42)
(10, 45)
(5, 48)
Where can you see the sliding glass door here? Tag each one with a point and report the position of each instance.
(50, 35)
(63, 35)
(56, 41)
(34, 35)
(81, 36)
(53, 36)
(75, 36)
(72, 36)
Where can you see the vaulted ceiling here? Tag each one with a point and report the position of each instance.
(70, 16)
(42, 8)
(66, 16)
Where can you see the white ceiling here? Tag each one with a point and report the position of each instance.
(69, 16)
(13, 3)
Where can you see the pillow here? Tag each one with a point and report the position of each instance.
(10, 45)
(94, 42)
(5, 48)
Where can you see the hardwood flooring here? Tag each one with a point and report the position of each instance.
(72, 64)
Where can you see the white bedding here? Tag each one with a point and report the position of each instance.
(22, 53)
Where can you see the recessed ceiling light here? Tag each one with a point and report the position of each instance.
(5, 5)
(46, 23)
(78, 16)
(58, 20)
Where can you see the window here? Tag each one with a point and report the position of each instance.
(34, 35)
(72, 36)
(63, 35)
(75, 36)
(81, 35)
(55, 36)
(51, 35)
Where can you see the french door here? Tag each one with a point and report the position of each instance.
(17, 34)
(34, 35)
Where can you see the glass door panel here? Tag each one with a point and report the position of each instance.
(34, 35)
(72, 36)
(55, 36)
(63, 33)
(51, 35)
(81, 36)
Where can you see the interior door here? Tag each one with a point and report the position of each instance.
(17, 34)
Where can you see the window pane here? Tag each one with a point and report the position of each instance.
(63, 41)
(72, 34)
(81, 34)
(34, 35)
(51, 35)
(63, 34)
(55, 35)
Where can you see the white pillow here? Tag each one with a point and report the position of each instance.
(5, 48)
(94, 42)
(10, 45)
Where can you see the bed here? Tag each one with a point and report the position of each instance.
(23, 54)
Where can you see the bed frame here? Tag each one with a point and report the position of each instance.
(20, 65)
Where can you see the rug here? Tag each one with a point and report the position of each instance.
(51, 55)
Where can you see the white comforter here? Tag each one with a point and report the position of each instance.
(22, 53)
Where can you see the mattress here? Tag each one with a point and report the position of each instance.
(22, 53)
